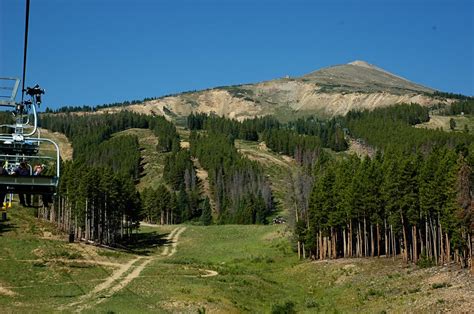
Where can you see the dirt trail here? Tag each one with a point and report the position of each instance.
(83, 300)
(123, 275)
(210, 273)
(360, 148)
(262, 154)
(122, 284)
(203, 176)
(174, 242)
(7, 292)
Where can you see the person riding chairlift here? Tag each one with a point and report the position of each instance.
(23, 170)
(3, 172)
(37, 170)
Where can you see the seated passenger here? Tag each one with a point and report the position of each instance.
(3, 193)
(23, 170)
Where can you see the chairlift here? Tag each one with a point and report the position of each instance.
(20, 141)
(23, 144)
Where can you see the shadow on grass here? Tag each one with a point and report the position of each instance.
(6, 226)
(145, 243)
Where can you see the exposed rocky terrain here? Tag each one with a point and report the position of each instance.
(328, 92)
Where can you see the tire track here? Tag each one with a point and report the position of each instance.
(104, 285)
(124, 275)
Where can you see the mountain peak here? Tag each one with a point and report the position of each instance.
(362, 76)
(364, 64)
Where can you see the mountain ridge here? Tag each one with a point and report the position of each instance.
(327, 92)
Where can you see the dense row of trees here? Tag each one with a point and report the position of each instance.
(120, 153)
(460, 107)
(414, 205)
(86, 108)
(330, 133)
(451, 95)
(304, 148)
(248, 129)
(94, 204)
(393, 127)
(86, 132)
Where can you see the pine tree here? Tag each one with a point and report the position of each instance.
(206, 216)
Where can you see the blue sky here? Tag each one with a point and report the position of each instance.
(94, 52)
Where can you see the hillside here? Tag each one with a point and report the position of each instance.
(229, 269)
(65, 147)
(281, 171)
(152, 161)
(442, 122)
(328, 92)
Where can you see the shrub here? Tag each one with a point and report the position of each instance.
(287, 308)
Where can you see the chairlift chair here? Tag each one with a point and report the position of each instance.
(21, 144)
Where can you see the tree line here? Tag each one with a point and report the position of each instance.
(330, 132)
(393, 127)
(459, 107)
(94, 204)
(87, 108)
(414, 205)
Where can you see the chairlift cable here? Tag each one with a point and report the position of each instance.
(25, 48)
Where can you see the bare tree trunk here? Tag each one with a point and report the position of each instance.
(350, 239)
(372, 244)
(344, 242)
(470, 244)
(378, 240)
(296, 220)
(434, 235)
(394, 248)
(415, 246)
(359, 241)
(321, 244)
(422, 248)
(366, 246)
(405, 244)
(441, 244)
(448, 249)
(427, 239)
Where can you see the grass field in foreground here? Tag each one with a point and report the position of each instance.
(224, 269)
(257, 271)
(39, 270)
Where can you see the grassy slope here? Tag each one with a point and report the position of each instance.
(65, 147)
(279, 169)
(256, 269)
(41, 268)
(152, 160)
(442, 122)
